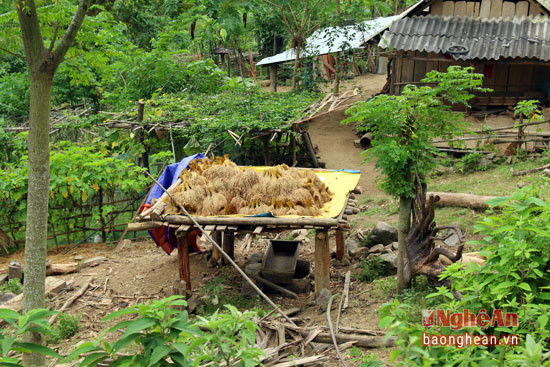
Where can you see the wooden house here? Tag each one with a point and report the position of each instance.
(507, 41)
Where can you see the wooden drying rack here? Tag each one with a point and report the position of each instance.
(224, 229)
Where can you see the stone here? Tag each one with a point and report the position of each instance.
(390, 260)
(353, 246)
(383, 233)
(387, 249)
(253, 269)
(255, 258)
(78, 257)
(303, 268)
(452, 240)
(546, 172)
(124, 245)
(362, 252)
(323, 296)
(265, 83)
(193, 303)
(376, 249)
(299, 233)
(395, 246)
(5, 297)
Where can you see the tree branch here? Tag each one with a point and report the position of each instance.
(69, 36)
(54, 37)
(30, 30)
(13, 54)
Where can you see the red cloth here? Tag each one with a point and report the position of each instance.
(165, 237)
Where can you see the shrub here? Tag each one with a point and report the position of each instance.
(373, 267)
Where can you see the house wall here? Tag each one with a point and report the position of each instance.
(511, 80)
(486, 8)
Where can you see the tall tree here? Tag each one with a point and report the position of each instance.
(404, 128)
(299, 19)
(42, 63)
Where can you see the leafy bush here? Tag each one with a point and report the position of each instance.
(515, 278)
(35, 321)
(372, 268)
(471, 163)
(163, 333)
(14, 94)
(12, 286)
(67, 326)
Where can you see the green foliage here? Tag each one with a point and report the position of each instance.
(78, 175)
(35, 321)
(471, 163)
(528, 109)
(372, 268)
(366, 360)
(515, 278)
(516, 241)
(404, 126)
(67, 327)
(162, 334)
(12, 286)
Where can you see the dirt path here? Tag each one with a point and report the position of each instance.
(335, 141)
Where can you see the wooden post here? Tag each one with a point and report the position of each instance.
(228, 245)
(217, 237)
(273, 77)
(322, 260)
(293, 145)
(340, 244)
(267, 156)
(183, 260)
(144, 158)
(309, 146)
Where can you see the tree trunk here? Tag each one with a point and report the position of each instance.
(296, 64)
(37, 202)
(336, 84)
(402, 231)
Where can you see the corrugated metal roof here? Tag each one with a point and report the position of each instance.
(491, 39)
(335, 39)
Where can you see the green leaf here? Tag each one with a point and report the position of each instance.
(139, 325)
(386, 321)
(158, 353)
(36, 348)
(525, 286)
(498, 201)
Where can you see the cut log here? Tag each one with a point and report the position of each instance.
(144, 226)
(54, 269)
(274, 286)
(461, 200)
(94, 261)
(528, 171)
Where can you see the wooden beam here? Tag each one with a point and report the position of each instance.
(254, 221)
(340, 244)
(273, 77)
(322, 261)
(183, 261)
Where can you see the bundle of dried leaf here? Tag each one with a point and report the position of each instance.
(212, 187)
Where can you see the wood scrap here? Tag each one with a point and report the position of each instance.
(275, 286)
(71, 300)
(93, 262)
(302, 361)
(346, 289)
(57, 269)
(529, 171)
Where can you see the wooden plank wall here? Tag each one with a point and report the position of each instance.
(486, 8)
(506, 79)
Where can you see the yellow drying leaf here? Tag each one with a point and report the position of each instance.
(84, 195)
(65, 194)
(114, 145)
(95, 187)
(71, 189)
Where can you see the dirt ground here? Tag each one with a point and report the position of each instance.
(141, 272)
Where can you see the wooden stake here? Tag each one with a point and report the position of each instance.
(322, 260)
(340, 244)
(183, 260)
